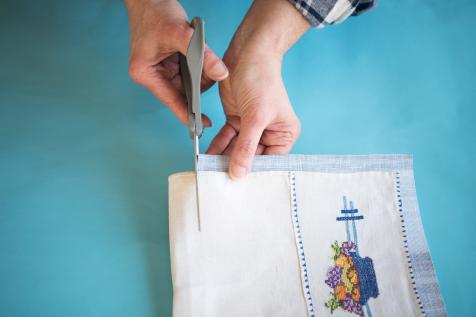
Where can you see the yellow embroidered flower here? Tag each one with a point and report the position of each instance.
(353, 276)
(340, 292)
(343, 260)
(340, 260)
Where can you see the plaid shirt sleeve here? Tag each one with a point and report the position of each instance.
(321, 13)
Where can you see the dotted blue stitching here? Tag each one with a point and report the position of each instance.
(300, 245)
(405, 243)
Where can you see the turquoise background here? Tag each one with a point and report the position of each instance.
(85, 153)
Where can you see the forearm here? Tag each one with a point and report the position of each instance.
(269, 28)
(130, 3)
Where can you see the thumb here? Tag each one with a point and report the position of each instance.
(245, 148)
(213, 66)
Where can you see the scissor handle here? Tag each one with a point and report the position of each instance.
(191, 67)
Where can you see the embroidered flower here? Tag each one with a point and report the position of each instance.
(342, 261)
(343, 278)
(333, 276)
(341, 292)
(353, 276)
(356, 294)
(352, 306)
(348, 247)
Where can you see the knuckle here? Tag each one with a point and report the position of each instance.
(243, 153)
(180, 33)
(239, 161)
(288, 138)
(245, 148)
(285, 138)
(257, 118)
(136, 71)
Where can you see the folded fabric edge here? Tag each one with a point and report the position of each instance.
(424, 280)
(180, 174)
(317, 163)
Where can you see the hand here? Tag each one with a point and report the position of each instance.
(259, 115)
(159, 31)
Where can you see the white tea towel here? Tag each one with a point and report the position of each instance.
(298, 237)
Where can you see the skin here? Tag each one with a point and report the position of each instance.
(259, 115)
(159, 32)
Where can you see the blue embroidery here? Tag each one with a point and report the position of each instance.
(299, 242)
(405, 243)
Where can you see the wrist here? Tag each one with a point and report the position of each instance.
(269, 29)
(133, 3)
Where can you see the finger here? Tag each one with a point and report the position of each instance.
(207, 123)
(259, 150)
(277, 150)
(230, 147)
(169, 96)
(147, 75)
(170, 67)
(222, 140)
(245, 147)
(213, 66)
(280, 138)
(181, 38)
(205, 83)
(161, 80)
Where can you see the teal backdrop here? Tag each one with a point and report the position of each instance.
(85, 153)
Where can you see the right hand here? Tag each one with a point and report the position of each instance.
(159, 31)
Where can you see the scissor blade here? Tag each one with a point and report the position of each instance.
(196, 150)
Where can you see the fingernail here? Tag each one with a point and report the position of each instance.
(237, 171)
(219, 71)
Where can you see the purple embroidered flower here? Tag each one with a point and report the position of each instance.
(348, 247)
(334, 276)
(352, 306)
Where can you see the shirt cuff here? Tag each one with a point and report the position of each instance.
(320, 13)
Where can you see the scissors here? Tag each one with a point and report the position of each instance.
(191, 67)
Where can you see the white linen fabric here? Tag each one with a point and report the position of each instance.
(295, 243)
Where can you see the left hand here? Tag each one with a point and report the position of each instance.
(259, 115)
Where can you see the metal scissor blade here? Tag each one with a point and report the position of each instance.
(195, 145)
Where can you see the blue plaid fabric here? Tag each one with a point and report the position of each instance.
(321, 13)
